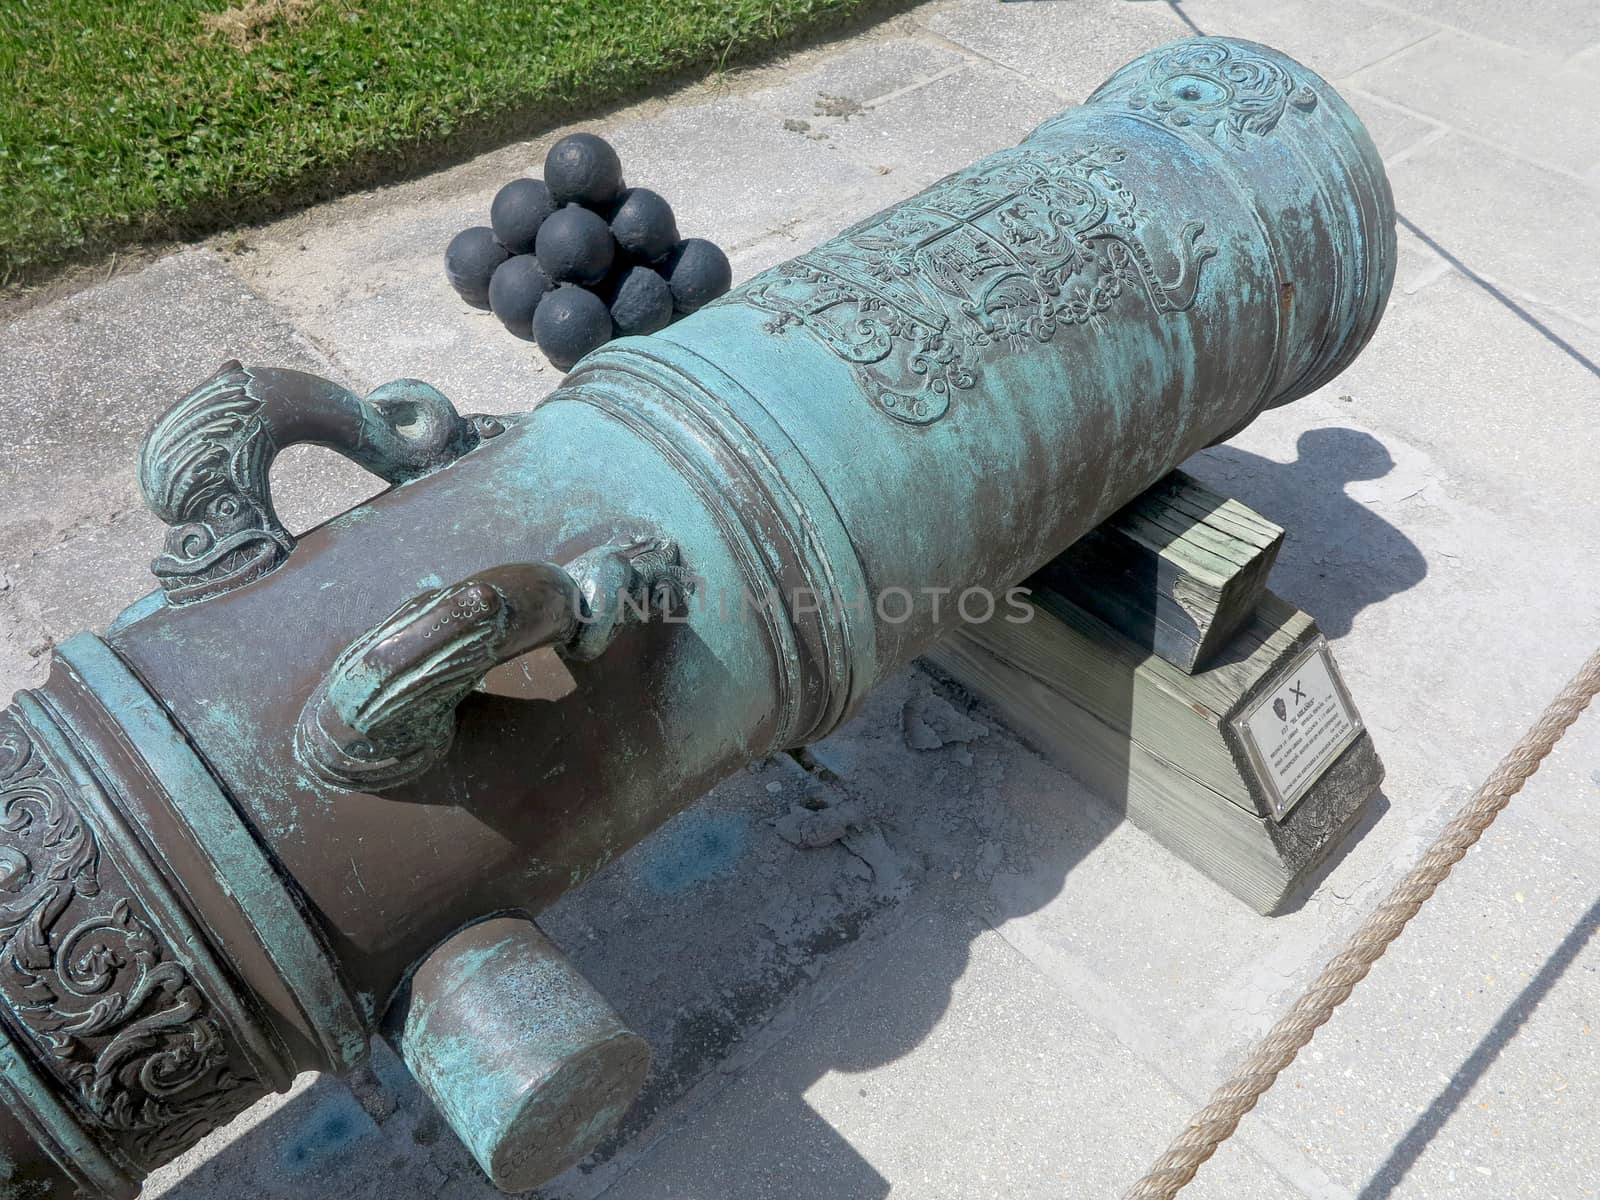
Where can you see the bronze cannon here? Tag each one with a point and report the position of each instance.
(276, 809)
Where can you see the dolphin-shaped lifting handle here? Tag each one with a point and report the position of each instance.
(385, 714)
(204, 467)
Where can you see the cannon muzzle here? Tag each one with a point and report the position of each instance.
(289, 799)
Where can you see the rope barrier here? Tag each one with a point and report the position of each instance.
(1215, 1123)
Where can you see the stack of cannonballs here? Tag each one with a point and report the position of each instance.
(578, 258)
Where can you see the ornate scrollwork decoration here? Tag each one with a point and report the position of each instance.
(204, 466)
(90, 983)
(1221, 89)
(918, 298)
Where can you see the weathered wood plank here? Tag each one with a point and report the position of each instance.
(1158, 743)
(1178, 569)
(1123, 684)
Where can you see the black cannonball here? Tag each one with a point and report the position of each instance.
(644, 226)
(470, 261)
(642, 304)
(583, 169)
(518, 285)
(575, 246)
(518, 210)
(698, 272)
(606, 289)
(569, 323)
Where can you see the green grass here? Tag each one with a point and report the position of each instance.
(135, 120)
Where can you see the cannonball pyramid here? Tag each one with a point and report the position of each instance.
(579, 257)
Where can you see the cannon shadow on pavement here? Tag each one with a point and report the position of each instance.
(1339, 556)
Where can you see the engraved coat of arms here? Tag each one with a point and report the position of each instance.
(917, 297)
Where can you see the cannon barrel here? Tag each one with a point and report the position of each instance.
(317, 787)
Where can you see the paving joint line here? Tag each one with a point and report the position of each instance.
(1443, 26)
(979, 56)
(1352, 77)
(1441, 128)
(1095, 998)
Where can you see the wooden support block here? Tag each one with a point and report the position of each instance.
(1252, 769)
(1178, 570)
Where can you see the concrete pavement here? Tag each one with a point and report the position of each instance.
(996, 988)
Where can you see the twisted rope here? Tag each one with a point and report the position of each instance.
(1215, 1123)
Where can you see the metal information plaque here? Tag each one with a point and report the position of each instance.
(1295, 730)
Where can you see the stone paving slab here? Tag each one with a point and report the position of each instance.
(364, 277)
(1393, 129)
(1409, 570)
(1070, 49)
(1474, 200)
(81, 380)
(1561, 26)
(895, 136)
(863, 74)
(365, 280)
(1490, 92)
(732, 171)
(1334, 40)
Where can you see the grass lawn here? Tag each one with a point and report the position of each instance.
(130, 120)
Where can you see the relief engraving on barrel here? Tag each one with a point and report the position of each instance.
(91, 987)
(919, 297)
(1218, 89)
(203, 470)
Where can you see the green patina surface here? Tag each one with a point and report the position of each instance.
(241, 865)
(502, 1032)
(33, 1099)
